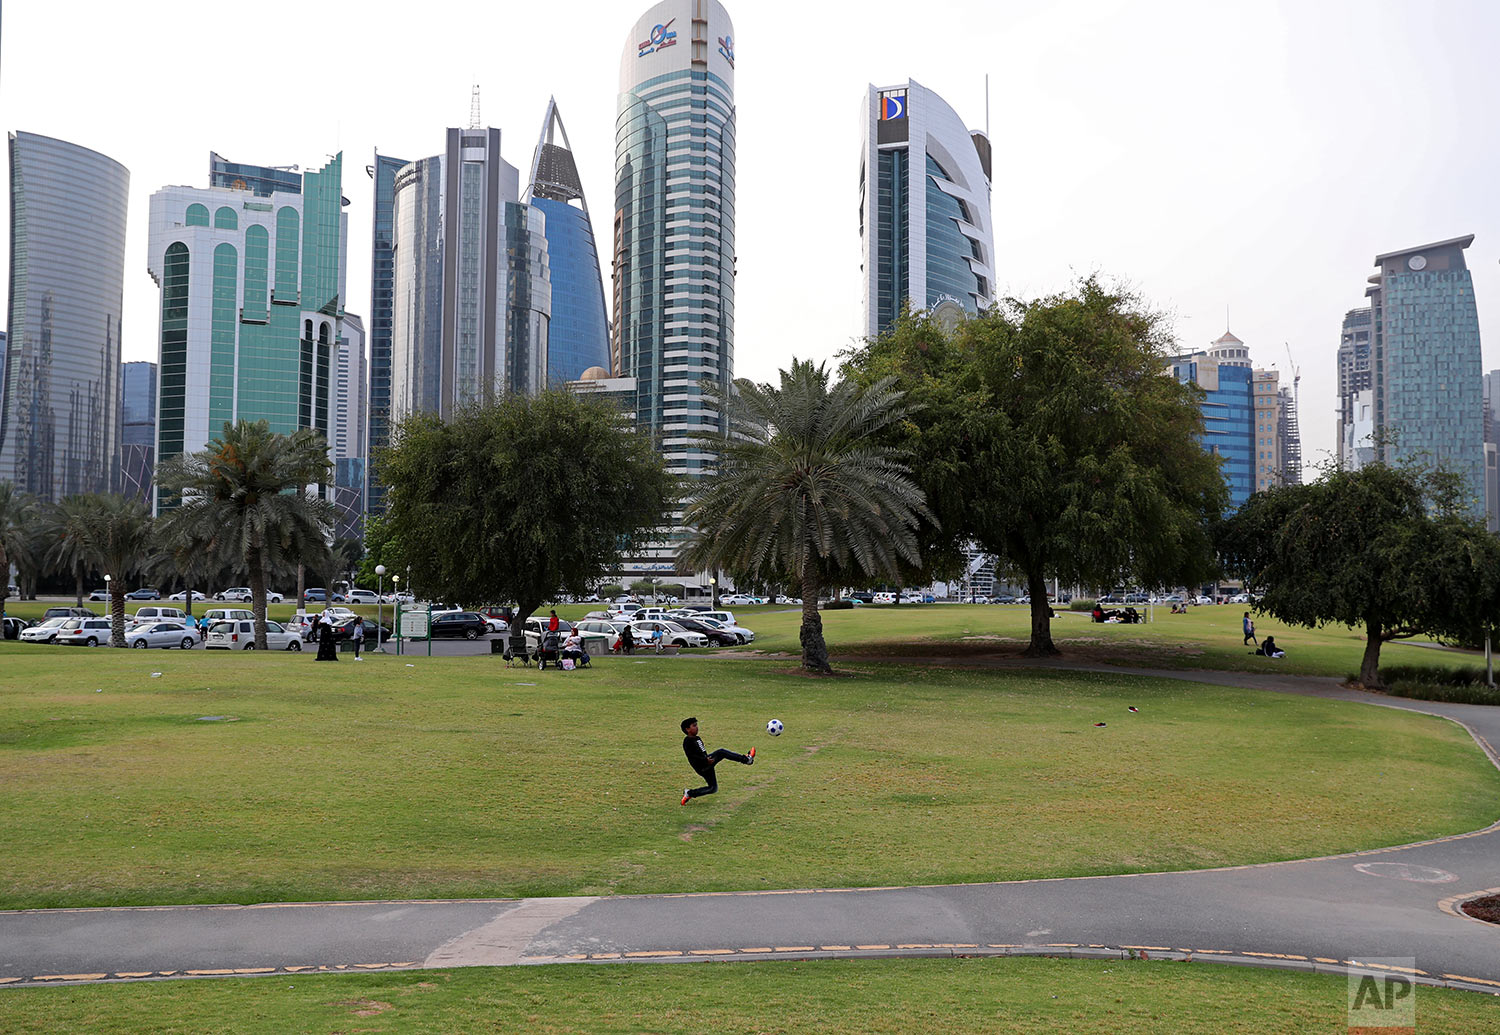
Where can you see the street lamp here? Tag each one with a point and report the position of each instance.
(713, 592)
(396, 592)
(653, 592)
(379, 605)
(107, 593)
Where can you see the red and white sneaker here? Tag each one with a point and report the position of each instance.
(686, 797)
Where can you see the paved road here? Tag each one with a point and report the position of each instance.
(1326, 913)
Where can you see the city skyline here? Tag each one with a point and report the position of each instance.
(1198, 154)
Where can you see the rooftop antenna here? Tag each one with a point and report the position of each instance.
(986, 105)
(474, 122)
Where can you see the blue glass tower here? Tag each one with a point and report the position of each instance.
(1228, 417)
(578, 337)
(260, 180)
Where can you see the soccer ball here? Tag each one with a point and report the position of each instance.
(774, 727)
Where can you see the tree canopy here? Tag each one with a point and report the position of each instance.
(1391, 550)
(520, 499)
(1048, 433)
(805, 491)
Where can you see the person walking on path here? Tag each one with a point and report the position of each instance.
(703, 762)
(358, 635)
(1249, 628)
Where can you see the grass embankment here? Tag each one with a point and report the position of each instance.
(838, 997)
(236, 778)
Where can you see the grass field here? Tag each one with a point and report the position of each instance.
(837, 997)
(236, 778)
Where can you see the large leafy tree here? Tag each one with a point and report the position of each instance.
(18, 520)
(245, 494)
(66, 533)
(120, 542)
(1390, 550)
(804, 489)
(520, 498)
(1048, 433)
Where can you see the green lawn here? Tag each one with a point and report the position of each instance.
(234, 778)
(837, 997)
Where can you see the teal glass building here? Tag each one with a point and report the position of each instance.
(1427, 368)
(1228, 408)
(252, 304)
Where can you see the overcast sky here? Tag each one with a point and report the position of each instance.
(1253, 156)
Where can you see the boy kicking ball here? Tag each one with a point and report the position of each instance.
(703, 762)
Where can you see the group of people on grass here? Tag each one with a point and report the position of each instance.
(1268, 649)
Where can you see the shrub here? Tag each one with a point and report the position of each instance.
(1080, 604)
(1464, 685)
(838, 605)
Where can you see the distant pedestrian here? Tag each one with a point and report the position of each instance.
(627, 639)
(358, 636)
(1249, 628)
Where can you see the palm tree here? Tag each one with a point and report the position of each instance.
(803, 491)
(67, 535)
(18, 516)
(247, 491)
(120, 535)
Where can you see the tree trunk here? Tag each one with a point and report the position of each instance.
(116, 613)
(517, 631)
(79, 587)
(1369, 666)
(814, 649)
(257, 594)
(1041, 625)
(301, 586)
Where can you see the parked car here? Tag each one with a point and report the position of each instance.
(315, 594)
(738, 600)
(718, 635)
(626, 609)
(85, 632)
(1240, 598)
(150, 613)
(739, 632)
(343, 629)
(362, 596)
(1201, 599)
(724, 617)
(144, 593)
(99, 594)
(12, 628)
(165, 635)
(536, 627)
(215, 615)
(43, 632)
(671, 634)
(240, 635)
(599, 637)
(182, 595)
(68, 612)
(467, 624)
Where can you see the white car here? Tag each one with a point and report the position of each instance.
(242, 595)
(625, 610)
(165, 635)
(362, 596)
(44, 633)
(722, 617)
(1200, 599)
(85, 632)
(738, 600)
(644, 634)
(183, 596)
(239, 634)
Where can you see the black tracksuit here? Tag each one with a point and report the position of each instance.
(703, 763)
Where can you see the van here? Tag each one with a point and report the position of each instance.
(154, 613)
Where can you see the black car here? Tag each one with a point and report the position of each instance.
(143, 594)
(460, 623)
(717, 637)
(345, 630)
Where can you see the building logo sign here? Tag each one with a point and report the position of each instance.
(726, 47)
(662, 37)
(892, 107)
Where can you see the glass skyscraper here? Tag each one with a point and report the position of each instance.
(925, 228)
(578, 335)
(1228, 406)
(260, 180)
(382, 302)
(60, 400)
(138, 425)
(674, 224)
(471, 299)
(252, 305)
(1427, 380)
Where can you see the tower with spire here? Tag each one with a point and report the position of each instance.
(578, 337)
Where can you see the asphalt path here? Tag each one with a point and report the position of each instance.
(1369, 909)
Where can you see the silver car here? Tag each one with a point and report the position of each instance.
(240, 635)
(165, 635)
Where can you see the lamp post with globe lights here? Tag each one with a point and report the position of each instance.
(379, 605)
(396, 592)
(713, 592)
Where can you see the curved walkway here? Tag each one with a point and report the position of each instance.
(1324, 914)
